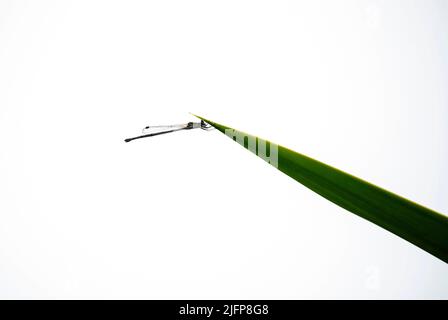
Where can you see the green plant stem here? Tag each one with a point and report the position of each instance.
(417, 224)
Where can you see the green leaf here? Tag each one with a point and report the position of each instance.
(417, 224)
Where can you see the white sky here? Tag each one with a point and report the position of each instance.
(360, 85)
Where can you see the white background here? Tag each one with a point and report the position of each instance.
(360, 85)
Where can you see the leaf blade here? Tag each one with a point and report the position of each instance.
(415, 223)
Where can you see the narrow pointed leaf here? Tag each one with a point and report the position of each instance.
(417, 224)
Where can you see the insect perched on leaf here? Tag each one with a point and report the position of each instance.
(417, 224)
(150, 131)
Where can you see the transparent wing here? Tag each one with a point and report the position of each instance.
(157, 129)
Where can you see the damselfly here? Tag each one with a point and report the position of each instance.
(150, 131)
